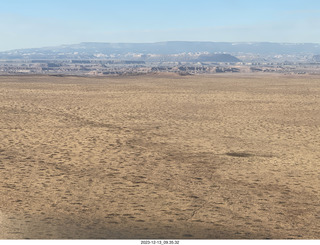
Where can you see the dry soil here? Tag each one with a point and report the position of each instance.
(160, 156)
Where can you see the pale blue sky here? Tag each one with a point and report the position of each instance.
(35, 23)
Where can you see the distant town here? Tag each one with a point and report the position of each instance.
(184, 58)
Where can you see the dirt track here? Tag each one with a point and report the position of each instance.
(160, 157)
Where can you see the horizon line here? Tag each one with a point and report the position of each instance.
(172, 41)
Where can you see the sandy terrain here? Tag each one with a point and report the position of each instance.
(160, 157)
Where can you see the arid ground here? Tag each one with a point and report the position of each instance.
(160, 156)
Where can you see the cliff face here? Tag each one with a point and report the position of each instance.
(218, 58)
(100, 50)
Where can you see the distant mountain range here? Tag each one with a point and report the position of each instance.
(207, 51)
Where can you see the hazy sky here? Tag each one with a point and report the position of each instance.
(39, 23)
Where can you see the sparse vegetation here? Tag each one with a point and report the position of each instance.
(160, 156)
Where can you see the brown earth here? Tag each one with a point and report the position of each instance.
(159, 157)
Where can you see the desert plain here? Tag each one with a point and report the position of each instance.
(160, 157)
